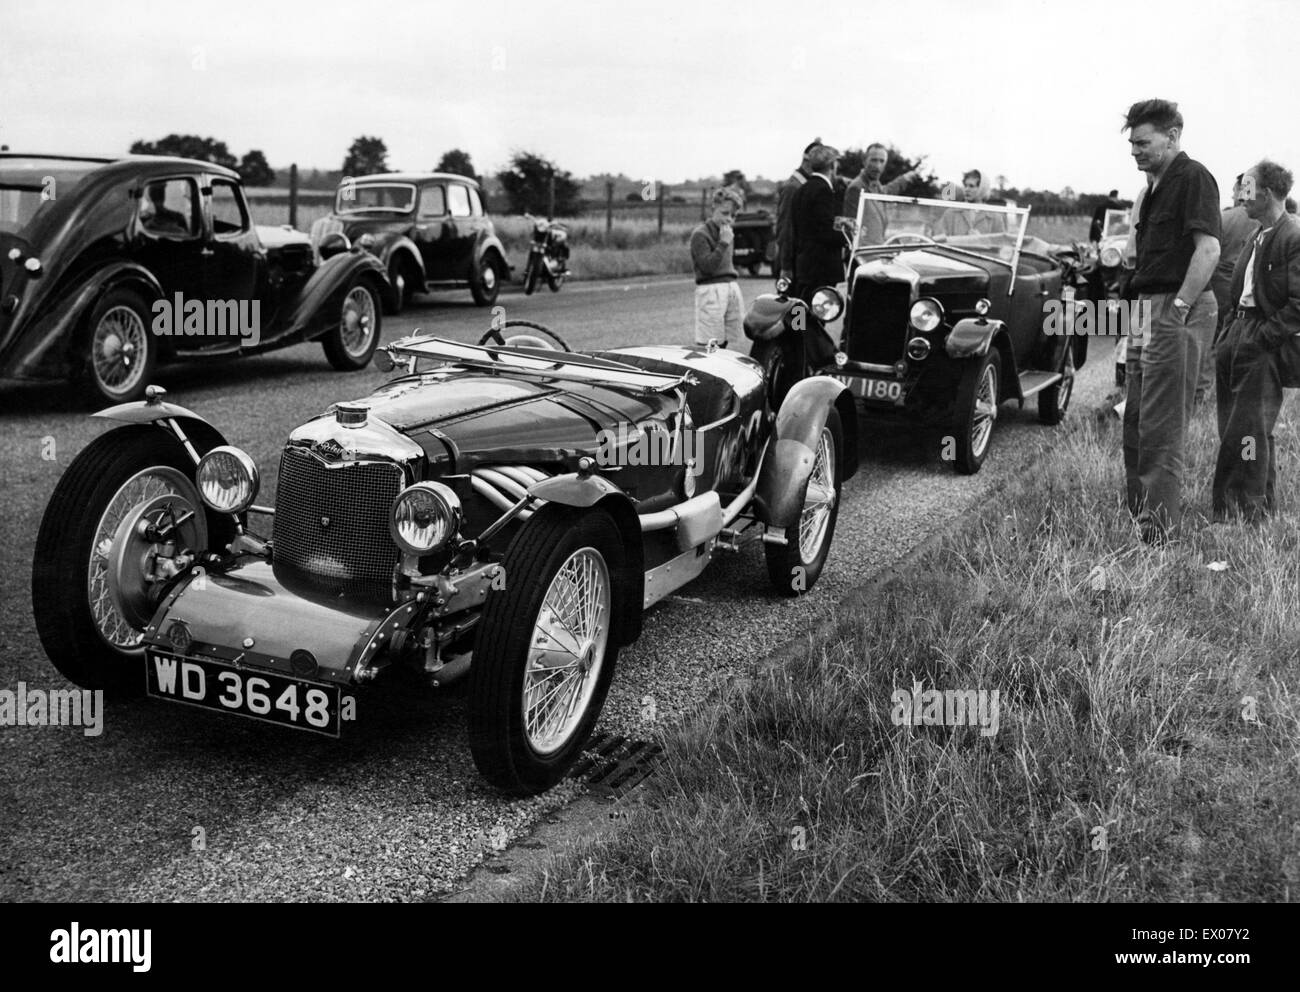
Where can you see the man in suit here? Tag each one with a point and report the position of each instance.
(784, 201)
(1265, 292)
(1236, 231)
(818, 260)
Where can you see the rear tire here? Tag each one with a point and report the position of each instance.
(121, 353)
(1054, 401)
(795, 566)
(531, 274)
(556, 614)
(89, 624)
(486, 282)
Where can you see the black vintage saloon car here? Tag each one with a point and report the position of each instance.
(109, 267)
(946, 320)
(429, 230)
(498, 512)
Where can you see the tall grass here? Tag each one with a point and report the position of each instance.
(1149, 734)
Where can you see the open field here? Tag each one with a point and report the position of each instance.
(1147, 744)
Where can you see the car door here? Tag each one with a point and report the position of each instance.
(168, 240)
(434, 232)
(465, 229)
(236, 263)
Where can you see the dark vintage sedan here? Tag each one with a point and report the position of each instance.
(429, 229)
(948, 316)
(503, 512)
(109, 267)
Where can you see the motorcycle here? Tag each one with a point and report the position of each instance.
(548, 254)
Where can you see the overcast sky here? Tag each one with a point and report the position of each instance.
(1031, 90)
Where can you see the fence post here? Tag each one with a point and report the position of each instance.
(293, 195)
(704, 204)
(550, 197)
(662, 190)
(609, 205)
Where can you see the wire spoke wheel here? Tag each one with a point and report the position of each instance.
(986, 410)
(120, 571)
(819, 501)
(568, 650)
(358, 321)
(118, 349)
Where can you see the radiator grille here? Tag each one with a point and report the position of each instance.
(332, 523)
(879, 329)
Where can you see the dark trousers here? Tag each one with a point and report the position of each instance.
(1161, 372)
(1248, 398)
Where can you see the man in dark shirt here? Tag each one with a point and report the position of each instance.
(1177, 250)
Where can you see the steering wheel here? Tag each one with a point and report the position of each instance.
(546, 338)
(911, 239)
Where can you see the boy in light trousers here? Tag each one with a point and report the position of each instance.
(719, 307)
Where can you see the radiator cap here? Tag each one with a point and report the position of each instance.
(351, 414)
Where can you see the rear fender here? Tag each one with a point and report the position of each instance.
(491, 243)
(792, 449)
(54, 348)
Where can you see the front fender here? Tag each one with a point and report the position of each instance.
(48, 353)
(317, 308)
(791, 453)
(970, 338)
(195, 434)
(402, 247)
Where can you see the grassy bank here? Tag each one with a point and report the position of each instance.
(1148, 739)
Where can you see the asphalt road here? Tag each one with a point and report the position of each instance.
(172, 803)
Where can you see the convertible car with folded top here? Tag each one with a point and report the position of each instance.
(502, 511)
(943, 318)
(96, 252)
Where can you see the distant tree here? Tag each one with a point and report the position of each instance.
(254, 170)
(737, 178)
(187, 146)
(633, 198)
(457, 162)
(527, 186)
(366, 157)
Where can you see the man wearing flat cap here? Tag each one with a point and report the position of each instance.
(818, 258)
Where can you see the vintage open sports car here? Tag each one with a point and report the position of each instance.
(501, 511)
(429, 230)
(946, 320)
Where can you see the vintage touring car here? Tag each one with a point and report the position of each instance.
(89, 249)
(945, 319)
(481, 513)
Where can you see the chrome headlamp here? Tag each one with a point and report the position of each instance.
(367, 241)
(227, 479)
(827, 304)
(425, 517)
(1110, 257)
(926, 314)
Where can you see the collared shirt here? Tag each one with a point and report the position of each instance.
(1237, 230)
(1248, 286)
(873, 217)
(1184, 201)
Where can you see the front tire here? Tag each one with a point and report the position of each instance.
(977, 411)
(405, 279)
(350, 345)
(531, 273)
(92, 591)
(122, 353)
(545, 653)
(795, 566)
(1054, 401)
(486, 283)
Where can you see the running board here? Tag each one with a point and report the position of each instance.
(1032, 383)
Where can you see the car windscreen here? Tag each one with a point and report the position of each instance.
(1116, 224)
(355, 198)
(975, 227)
(29, 187)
